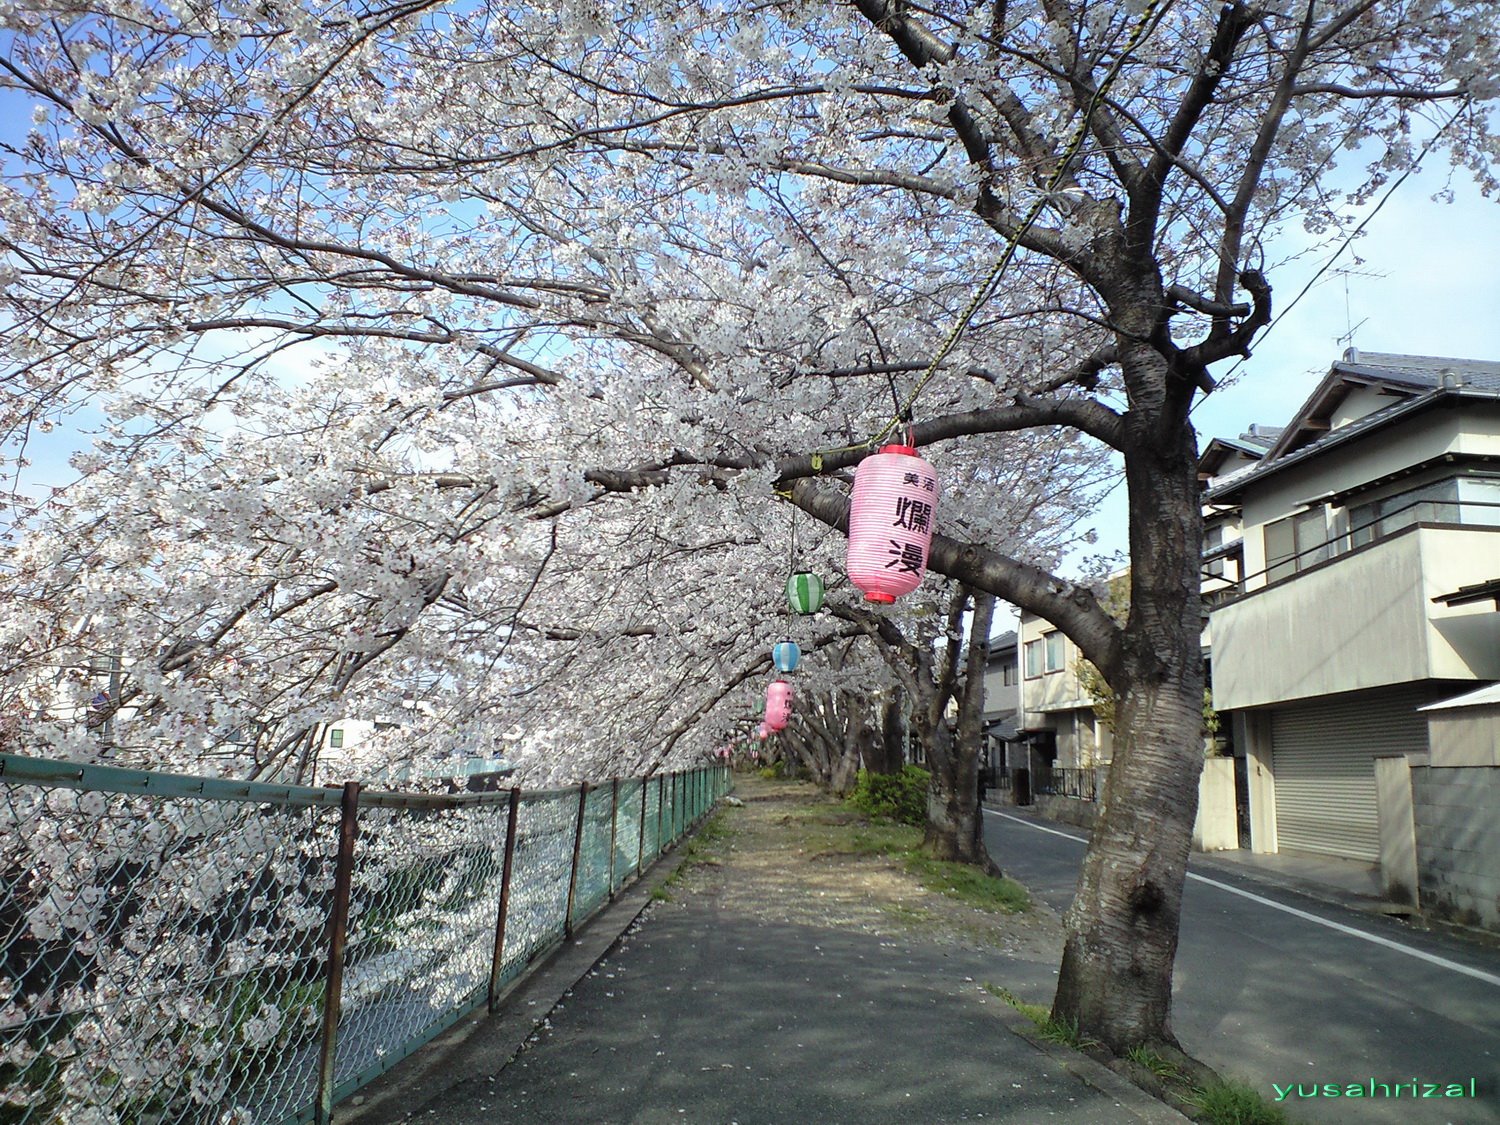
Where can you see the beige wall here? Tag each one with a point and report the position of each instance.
(1365, 620)
(1051, 691)
(1463, 642)
(1356, 623)
(1216, 828)
(1357, 403)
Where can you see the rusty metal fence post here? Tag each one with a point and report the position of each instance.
(338, 927)
(614, 828)
(661, 808)
(640, 844)
(504, 912)
(583, 797)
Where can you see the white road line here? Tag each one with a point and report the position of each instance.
(1420, 955)
(1040, 828)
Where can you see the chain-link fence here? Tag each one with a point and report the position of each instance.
(184, 949)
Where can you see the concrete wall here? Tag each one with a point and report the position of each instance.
(1458, 842)
(1358, 622)
(1398, 838)
(1465, 736)
(1068, 810)
(1462, 641)
(1216, 828)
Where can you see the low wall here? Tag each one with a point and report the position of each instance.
(1069, 810)
(1216, 828)
(1458, 842)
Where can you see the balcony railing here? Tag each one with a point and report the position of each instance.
(1466, 513)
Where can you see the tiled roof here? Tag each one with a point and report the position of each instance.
(1421, 370)
(1425, 375)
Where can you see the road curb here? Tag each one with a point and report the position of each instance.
(1129, 1098)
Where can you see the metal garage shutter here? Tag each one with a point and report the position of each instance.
(1324, 763)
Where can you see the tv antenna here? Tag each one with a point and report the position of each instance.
(1350, 328)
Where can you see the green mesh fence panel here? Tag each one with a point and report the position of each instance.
(163, 958)
(628, 832)
(543, 864)
(591, 882)
(421, 933)
(164, 940)
(651, 847)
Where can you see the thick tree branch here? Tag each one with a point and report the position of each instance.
(1072, 608)
(1234, 21)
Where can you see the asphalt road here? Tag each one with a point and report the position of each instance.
(1298, 1001)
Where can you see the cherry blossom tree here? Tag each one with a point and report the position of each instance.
(681, 253)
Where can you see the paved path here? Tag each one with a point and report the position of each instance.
(715, 1010)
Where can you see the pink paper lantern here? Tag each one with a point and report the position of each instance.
(778, 704)
(890, 522)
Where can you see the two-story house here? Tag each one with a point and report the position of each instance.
(1002, 704)
(1057, 719)
(1380, 497)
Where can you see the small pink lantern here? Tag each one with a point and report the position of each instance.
(890, 522)
(778, 704)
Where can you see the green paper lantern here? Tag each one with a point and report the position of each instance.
(804, 592)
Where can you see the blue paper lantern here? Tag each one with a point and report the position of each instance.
(785, 656)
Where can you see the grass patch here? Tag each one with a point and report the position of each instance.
(1148, 1059)
(969, 884)
(1235, 1103)
(1062, 1032)
(835, 836)
(881, 839)
(914, 915)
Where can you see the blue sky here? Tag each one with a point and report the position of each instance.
(1426, 281)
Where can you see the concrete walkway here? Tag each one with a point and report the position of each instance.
(705, 1011)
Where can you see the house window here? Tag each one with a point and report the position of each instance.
(1312, 537)
(1213, 538)
(1033, 659)
(1442, 502)
(335, 739)
(1479, 501)
(1054, 643)
(1008, 675)
(1296, 543)
(1281, 545)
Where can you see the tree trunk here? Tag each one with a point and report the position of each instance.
(955, 824)
(845, 771)
(1116, 976)
(883, 749)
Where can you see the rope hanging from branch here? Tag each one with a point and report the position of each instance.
(1154, 12)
